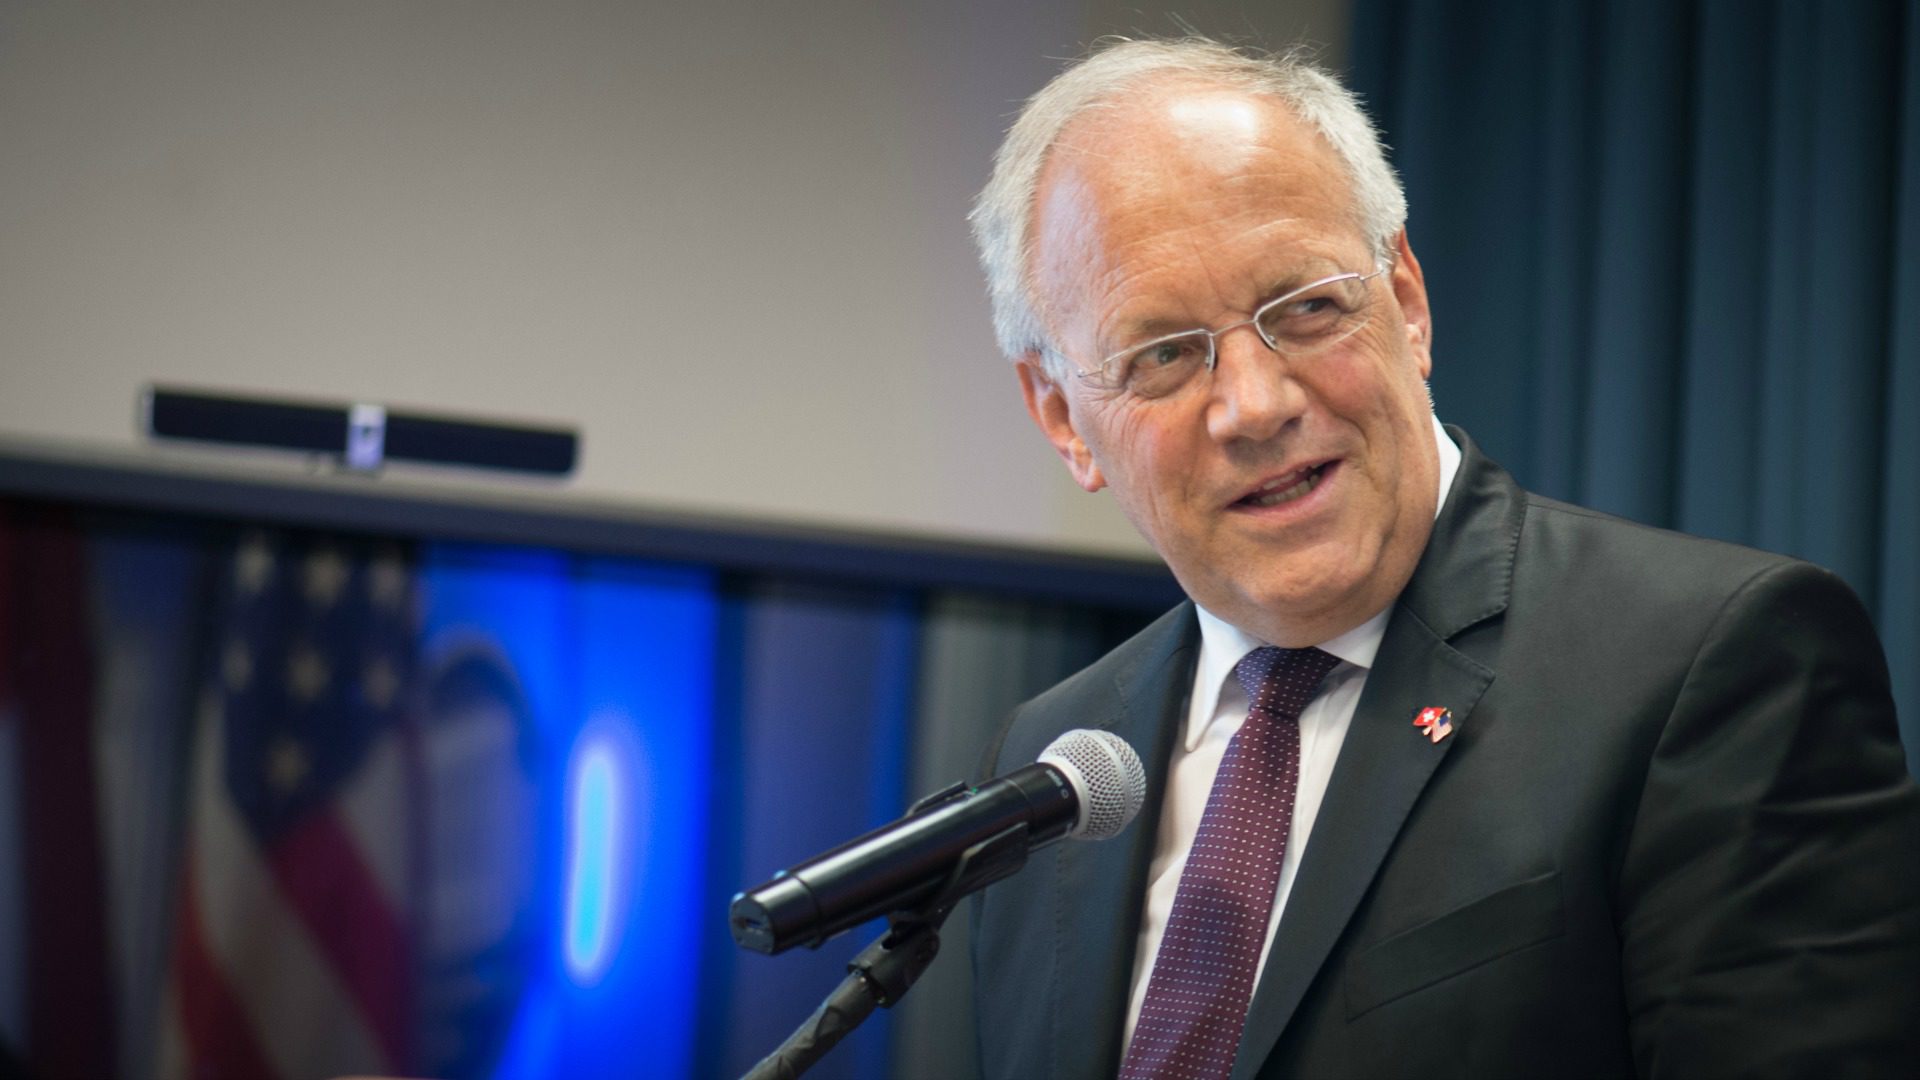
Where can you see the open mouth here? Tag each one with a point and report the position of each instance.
(1297, 484)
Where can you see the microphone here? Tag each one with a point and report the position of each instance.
(1087, 785)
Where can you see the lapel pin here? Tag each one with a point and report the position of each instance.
(1434, 721)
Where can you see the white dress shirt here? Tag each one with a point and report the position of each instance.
(1214, 714)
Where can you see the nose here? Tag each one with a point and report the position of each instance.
(1255, 394)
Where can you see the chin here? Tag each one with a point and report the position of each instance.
(1277, 610)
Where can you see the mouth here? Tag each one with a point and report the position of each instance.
(1288, 487)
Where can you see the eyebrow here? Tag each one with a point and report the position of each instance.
(1298, 278)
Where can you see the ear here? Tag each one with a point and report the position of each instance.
(1048, 405)
(1410, 289)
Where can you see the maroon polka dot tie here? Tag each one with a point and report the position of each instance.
(1202, 981)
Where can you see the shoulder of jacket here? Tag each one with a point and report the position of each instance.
(1065, 705)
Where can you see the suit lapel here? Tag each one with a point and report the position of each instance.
(1384, 764)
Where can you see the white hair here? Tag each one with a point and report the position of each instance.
(1002, 216)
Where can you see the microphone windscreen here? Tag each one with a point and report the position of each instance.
(1106, 776)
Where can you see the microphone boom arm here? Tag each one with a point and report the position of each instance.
(884, 971)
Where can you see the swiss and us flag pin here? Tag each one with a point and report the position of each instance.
(1435, 722)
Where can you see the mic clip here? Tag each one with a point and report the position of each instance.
(953, 792)
(884, 971)
(892, 964)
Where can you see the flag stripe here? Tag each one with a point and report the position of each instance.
(323, 878)
(216, 1028)
(376, 809)
(297, 1006)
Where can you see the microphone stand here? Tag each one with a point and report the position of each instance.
(884, 971)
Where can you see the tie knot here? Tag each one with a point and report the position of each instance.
(1279, 681)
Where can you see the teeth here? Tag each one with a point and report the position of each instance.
(1287, 494)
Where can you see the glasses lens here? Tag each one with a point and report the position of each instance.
(1316, 317)
(1159, 367)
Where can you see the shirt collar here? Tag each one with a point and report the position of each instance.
(1223, 645)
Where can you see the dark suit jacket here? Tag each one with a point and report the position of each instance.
(1672, 832)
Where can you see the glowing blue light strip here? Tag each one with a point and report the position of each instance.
(595, 840)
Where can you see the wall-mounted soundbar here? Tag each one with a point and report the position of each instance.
(364, 436)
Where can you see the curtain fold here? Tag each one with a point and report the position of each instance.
(1898, 605)
(981, 657)
(1674, 254)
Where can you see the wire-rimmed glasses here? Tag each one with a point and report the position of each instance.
(1304, 321)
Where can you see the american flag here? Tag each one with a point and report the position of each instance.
(292, 947)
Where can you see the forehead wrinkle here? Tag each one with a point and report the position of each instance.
(1131, 176)
(1126, 313)
(1232, 289)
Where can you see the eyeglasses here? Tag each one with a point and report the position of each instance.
(1308, 320)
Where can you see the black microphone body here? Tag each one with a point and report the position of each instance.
(900, 866)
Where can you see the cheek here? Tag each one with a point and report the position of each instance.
(1380, 389)
(1384, 403)
(1144, 461)
(1121, 443)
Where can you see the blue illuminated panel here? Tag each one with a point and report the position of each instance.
(596, 806)
(616, 661)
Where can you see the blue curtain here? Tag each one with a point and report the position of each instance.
(1674, 256)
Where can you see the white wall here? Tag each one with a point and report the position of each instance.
(725, 239)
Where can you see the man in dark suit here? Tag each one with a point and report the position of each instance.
(1558, 794)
